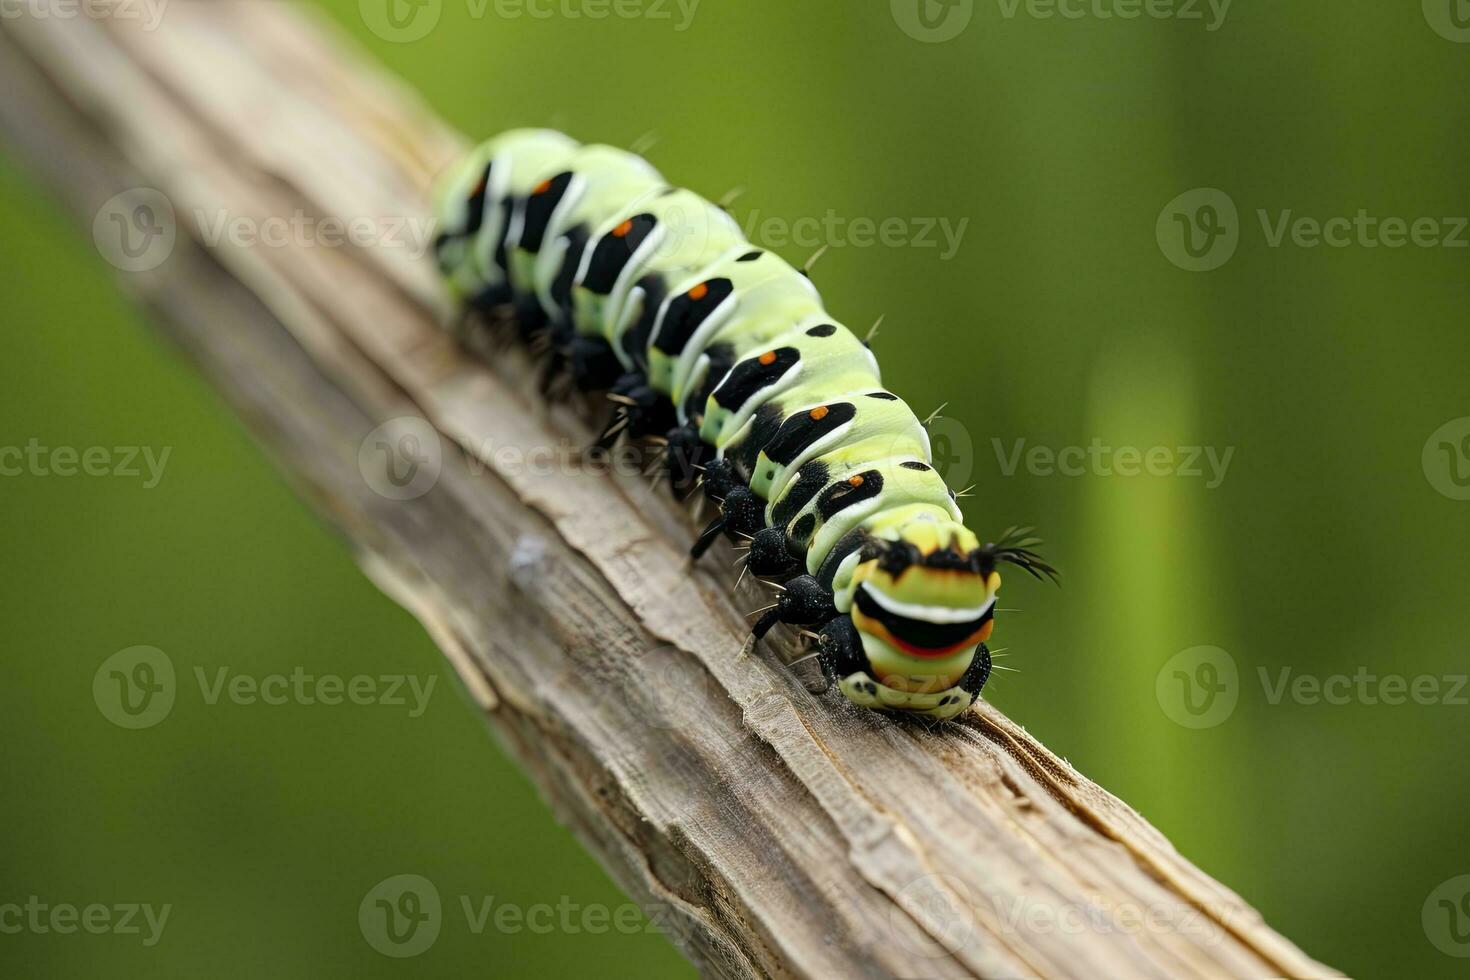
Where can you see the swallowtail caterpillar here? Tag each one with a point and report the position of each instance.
(723, 353)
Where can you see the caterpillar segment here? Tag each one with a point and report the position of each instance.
(475, 211)
(724, 352)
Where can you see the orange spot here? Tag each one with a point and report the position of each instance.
(769, 357)
(819, 413)
(621, 231)
(542, 187)
(699, 292)
(856, 481)
(985, 631)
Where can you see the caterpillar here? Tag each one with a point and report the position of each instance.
(723, 354)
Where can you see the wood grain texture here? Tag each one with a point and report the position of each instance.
(781, 832)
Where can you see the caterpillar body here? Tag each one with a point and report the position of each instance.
(724, 353)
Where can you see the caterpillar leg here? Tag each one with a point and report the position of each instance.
(642, 411)
(802, 602)
(742, 514)
(770, 558)
(684, 457)
(840, 650)
(590, 361)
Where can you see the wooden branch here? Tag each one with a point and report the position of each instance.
(784, 833)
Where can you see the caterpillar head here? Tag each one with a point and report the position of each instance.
(925, 596)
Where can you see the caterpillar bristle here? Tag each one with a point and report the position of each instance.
(730, 197)
(809, 264)
(873, 331)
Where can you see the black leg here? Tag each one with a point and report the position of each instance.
(803, 602)
(769, 555)
(979, 672)
(840, 649)
(684, 457)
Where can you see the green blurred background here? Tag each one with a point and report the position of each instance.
(1328, 546)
